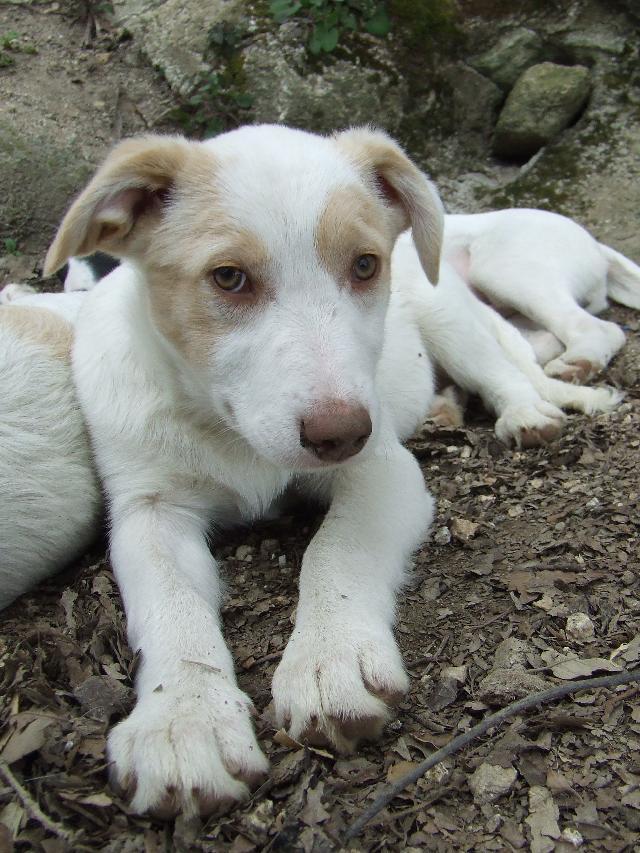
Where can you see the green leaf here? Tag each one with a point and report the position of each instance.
(378, 24)
(243, 99)
(323, 39)
(283, 9)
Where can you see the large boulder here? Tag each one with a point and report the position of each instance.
(339, 95)
(511, 55)
(544, 101)
(174, 34)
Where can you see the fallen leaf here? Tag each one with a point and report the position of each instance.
(569, 669)
(28, 737)
(397, 771)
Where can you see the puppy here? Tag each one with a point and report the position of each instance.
(49, 495)
(549, 276)
(252, 343)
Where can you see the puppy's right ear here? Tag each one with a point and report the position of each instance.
(128, 186)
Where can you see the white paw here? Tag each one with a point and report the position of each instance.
(577, 370)
(13, 292)
(190, 749)
(530, 425)
(335, 684)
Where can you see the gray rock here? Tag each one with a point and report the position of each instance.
(475, 98)
(489, 782)
(173, 34)
(510, 57)
(503, 686)
(341, 95)
(543, 102)
(511, 654)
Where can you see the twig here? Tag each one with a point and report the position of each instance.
(33, 808)
(541, 698)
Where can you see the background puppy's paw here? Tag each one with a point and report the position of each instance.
(335, 686)
(530, 425)
(578, 371)
(13, 292)
(182, 751)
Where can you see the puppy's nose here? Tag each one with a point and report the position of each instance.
(335, 430)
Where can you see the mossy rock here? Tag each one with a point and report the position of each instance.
(544, 101)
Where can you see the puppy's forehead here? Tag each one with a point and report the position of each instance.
(277, 181)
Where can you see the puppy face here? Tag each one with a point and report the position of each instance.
(266, 253)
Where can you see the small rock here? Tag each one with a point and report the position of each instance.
(580, 628)
(442, 536)
(628, 577)
(244, 553)
(545, 100)
(463, 529)
(489, 782)
(502, 686)
(572, 836)
(511, 654)
(475, 99)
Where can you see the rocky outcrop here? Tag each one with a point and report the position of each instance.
(543, 102)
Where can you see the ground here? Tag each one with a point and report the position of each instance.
(522, 543)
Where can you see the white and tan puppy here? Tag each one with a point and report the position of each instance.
(252, 343)
(49, 496)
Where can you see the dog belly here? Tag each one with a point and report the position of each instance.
(405, 376)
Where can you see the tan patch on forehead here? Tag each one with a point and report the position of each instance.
(39, 326)
(353, 222)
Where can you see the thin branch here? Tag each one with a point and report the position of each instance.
(33, 808)
(553, 694)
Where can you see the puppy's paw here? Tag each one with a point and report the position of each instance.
(335, 685)
(187, 750)
(13, 292)
(530, 425)
(578, 370)
(446, 410)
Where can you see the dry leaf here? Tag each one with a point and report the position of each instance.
(397, 771)
(27, 738)
(569, 669)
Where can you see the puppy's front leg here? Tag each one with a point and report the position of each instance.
(342, 665)
(188, 745)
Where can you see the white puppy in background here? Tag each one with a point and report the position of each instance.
(260, 338)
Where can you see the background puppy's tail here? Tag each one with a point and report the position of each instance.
(623, 278)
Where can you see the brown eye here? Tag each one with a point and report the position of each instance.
(230, 279)
(365, 267)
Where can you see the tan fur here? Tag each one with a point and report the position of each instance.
(350, 226)
(102, 217)
(417, 204)
(39, 326)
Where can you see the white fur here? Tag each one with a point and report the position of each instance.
(551, 271)
(185, 447)
(49, 497)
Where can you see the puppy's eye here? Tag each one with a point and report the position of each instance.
(230, 279)
(365, 267)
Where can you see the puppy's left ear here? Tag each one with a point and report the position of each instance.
(403, 186)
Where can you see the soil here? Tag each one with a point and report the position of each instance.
(523, 542)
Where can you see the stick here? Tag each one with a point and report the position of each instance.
(32, 807)
(541, 698)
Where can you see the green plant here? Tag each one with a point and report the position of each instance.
(11, 41)
(331, 19)
(11, 246)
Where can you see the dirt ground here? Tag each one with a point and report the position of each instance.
(522, 543)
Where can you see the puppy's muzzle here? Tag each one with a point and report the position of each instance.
(335, 430)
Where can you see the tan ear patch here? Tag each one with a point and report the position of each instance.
(124, 187)
(39, 326)
(405, 187)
